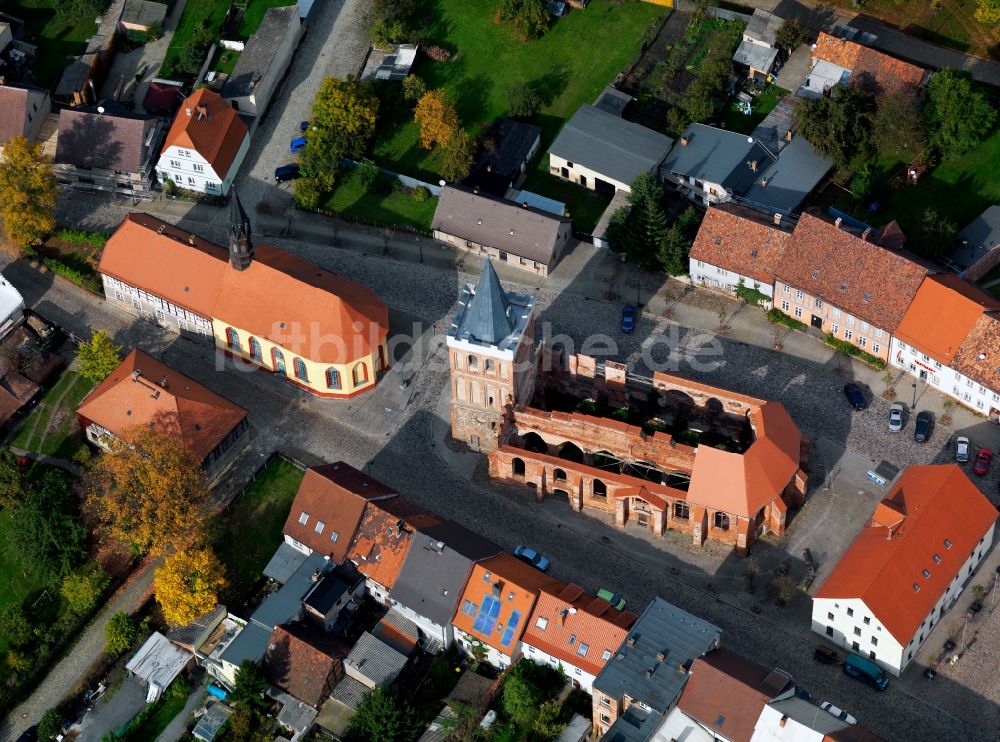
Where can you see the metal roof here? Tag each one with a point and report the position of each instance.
(718, 156)
(609, 145)
(797, 171)
(375, 660)
(210, 723)
(756, 56)
(283, 564)
(249, 644)
(158, 661)
(260, 50)
(489, 316)
(285, 604)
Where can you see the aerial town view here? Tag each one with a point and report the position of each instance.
(499, 370)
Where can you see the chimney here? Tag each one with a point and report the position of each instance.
(782, 721)
(777, 218)
(631, 641)
(476, 190)
(524, 204)
(202, 112)
(650, 671)
(837, 222)
(164, 382)
(191, 240)
(763, 182)
(187, 110)
(136, 374)
(684, 141)
(753, 165)
(867, 233)
(315, 576)
(661, 656)
(788, 135)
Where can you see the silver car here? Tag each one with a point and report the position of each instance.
(896, 417)
(838, 712)
(961, 449)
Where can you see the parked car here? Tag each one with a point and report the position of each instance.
(961, 449)
(855, 396)
(286, 172)
(532, 557)
(983, 459)
(29, 735)
(304, 126)
(628, 319)
(896, 417)
(863, 669)
(922, 430)
(298, 144)
(838, 712)
(826, 656)
(616, 600)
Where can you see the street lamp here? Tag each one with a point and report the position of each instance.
(914, 405)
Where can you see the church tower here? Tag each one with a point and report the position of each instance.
(492, 359)
(240, 235)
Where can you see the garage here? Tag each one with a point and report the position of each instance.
(603, 187)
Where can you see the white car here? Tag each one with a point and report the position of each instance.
(961, 449)
(896, 417)
(838, 712)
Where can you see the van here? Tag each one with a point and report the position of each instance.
(286, 172)
(866, 671)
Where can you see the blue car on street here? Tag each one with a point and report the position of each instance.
(532, 557)
(628, 319)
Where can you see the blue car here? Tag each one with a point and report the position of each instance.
(303, 126)
(298, 143)
(628, 319)
(532, 557)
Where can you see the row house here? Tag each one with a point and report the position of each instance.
(948, 338)
(906, 568)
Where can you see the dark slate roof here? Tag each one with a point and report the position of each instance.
(613, 101)
(982, 234)
(662, 628)
(144, 13)
(609, 145)
(375, 660)
(115, 139)
(809, 715)
(487, 315)
(249, 644)
(285, 604)
(283, 564)
(436, 569)
(330, 589)
(349, 692)
(497, 168)
(719, 156)
(763, 26)
(258, 54)
(797, 171)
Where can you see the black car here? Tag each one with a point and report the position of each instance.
(286, 172)
(826, 656)
(922, 431)
(855, 396)
(29, 735)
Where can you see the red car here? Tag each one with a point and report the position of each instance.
(983, 459)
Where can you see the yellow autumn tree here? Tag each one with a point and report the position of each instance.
(988, 12)
(187, 585)
(437, 117)
(27, 193)
(148, 491)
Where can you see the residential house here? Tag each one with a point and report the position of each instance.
(758, 51)
(907, 566)
(260, 304)
(158, 663)
(383, 537)
(712, 166)
(107, 148)
(642, 681)
(434, 574)
(398, 632)
(205, 145)
(6, 35)
(392, 64)
(517, 234)
(838, 60)
(794, 719)
(574, 631)
(507, 149)
(979, 252)
(495, 607)
(373, 663)
(303, 662)
(738, 245)
(328, 508)
(604, 152)
(23, 109)
(724, 698)
(843, 284)
(335, 590)
(143, 392)
(85, 74)
(11, 307)
(264, 61)
(936, 329)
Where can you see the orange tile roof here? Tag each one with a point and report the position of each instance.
(384, 536)
(744, 483)
(869, 68)
(859, 277)
(941, 315)
(163, 397)
(335, 494)
(515, 585)
(979, 355)
(572, 618)
(928, 508)
(210, 126)
(740, 240)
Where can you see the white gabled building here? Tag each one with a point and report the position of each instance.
(907, 566)
(205, 146)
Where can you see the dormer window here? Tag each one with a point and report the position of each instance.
(925, 573)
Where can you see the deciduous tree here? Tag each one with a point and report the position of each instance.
(521, 697)
(98, 357)
(458, 156)
(437, 117)
(988, 12)
(528, 19)
(958, 114)
(82, 589)
(790, 34)
(149, 491)
(15, 626)
(547, 725)
(382, 716)
(522, 101)
(50, 536)
(188, 585)
(250, 685)
(413, 88)
(50, 724)
(937, 234)
(898, 123)
(11, 481)
(839, 126)
(27, 192)
(119, 634)
(345, 111)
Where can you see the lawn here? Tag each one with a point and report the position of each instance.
(734, 120)
(225, 60)
(17, 579)
(399, 208)
(251, 530)
(51, 428)
(209, 14)
(576, 58)
(254, 14)
(59, 37)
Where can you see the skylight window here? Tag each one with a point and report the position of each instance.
(925, 573)
(936, 558)
(542, 623)
(582, 649)
(916, 588)
(304, 518)
(606, 655)
(320, 525)
(947, 544)
(572, 639)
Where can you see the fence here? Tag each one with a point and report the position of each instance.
(404, 179)
(257, 472)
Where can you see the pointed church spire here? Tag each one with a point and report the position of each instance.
(488, 317)
(240, 235)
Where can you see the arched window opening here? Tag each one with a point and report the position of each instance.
(360, 373)
(232, 338)
(518, 465)
(332, 378)
(559, 475)
(255, 352)
(722, 521)
(600, 489)
(278, 360)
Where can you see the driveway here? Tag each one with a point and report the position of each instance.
(115, 710)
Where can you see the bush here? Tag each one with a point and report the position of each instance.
(15, 626)
(384, 184)
(420, 194)
(308, 193)
(119, 634)
(842, 346)
(522, 101)
(413, 88)
(385, 32)
(438, 54)
(83, 589)
(366, 172)
(73, 275)
(50, 724)
(780, 318)
(96, 240)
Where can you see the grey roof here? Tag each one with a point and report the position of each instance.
(211, 721)
(249, 644)
(114, 140)
(349, 692)
(294, 714)
(578, 728)
(613, 101)
(982, 234)
(144, 13)
(489, 316)
(391, 64)
(763, 26)
(260, 50)
(756, 56)
(635, 725)
(528, 233)
(436, 568)
(774, 127)
(542, 203)
(470, 689)
(609, 145)
(785, 185)
(718, 156)
(197, 632)
(284, 605)
(283, 564)
(331, 587)
(662, 629)
(374, 659)
(499, 165)
(158, 661)
(809, 715)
